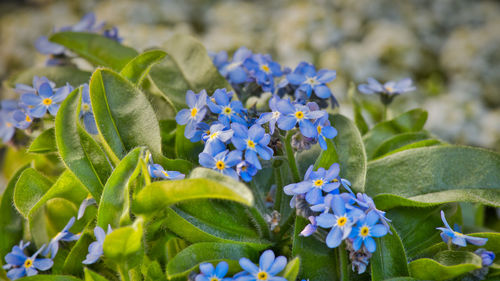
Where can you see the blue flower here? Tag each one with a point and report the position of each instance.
(271, 117)
(310, 228)
(219, 59)
(221, 162)
(367, 204)
(487, 257)
(64, 235)
(157, 171)
(209, 273)
(253, 141)
(390, 88)
(364, 231)
(7, 125)
(325, 131)
(83, 206)
(234, 71)
(268, 267)
(37, 82)
(20, 265)
(47, 99)
(112, 33)
(316, 182)
(95, 248)
(340, 222)
(195, 114)
(216, 140)
(291, 114)
(246, 171)
(455, 237)
(86, 111)
(229, 111)
(308, 80)
(263, 69)
(21, 119)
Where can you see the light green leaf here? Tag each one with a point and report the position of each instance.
(124, 116)
(29, 189)
(359, 120)
(411, 121)
(44, 143)
(187, 67)
(95, 48)
(434, 169)
(423, 143)
(399, 141)
(154, 272)
(42, 277)
(79, 152)
(389, 260)
(73, 262)
(445, 265)
(93, 276)
(124, 246)
(114, 202)
(138, 68)
(190, 258)
(57, 74)
(493, 244)
(292, 269)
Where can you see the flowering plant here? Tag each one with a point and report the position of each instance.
(177, 164)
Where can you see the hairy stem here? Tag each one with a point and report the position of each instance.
(291, 157)
(279, 188)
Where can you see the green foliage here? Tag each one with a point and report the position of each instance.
(59, 75)
(445, 265)
(138, 68)
(390, 258)
(44, 143)
(123, 247)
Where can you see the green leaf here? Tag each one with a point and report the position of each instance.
(168, 137)
(73, 262)
(138, 68)
(434, 169)
(422, 143)
(95, 48)
(187, 67)
(399, 141)
(389, 260)
(190, 258)
(124, 245)
(493, 244)
(359, 120)
(29, 189)
(154, 272)
(184, 148)
(11, 222)
(445, 265)
(79, 152)
(292, 269)
(124, 116)
(44, 143)
(57, 74)
(411, 121)
(42, 277)
(318, 261)
(114, 202)
(93, 276)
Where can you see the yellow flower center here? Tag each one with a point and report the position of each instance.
(28, 119)
(227, 110)
(214, 135)
(207, 132)
(319, 182)
(220, 165)
(341, 221)
(262, 275)
(165, 173)
(265, 68)
(193, 112)
(276, 114)
(244, 168)
(214, 279)
(365, 231)
(8, 124)
(319, 129)
(389, 89)
(335, 180)
(47, 101)
(311, 81)
(299, 114)
(213, 100)
(85, 107)
(250, 144)
(28, 263)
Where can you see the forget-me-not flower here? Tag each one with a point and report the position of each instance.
(455, 237)
(95, 248)
(308, 80)
(195, 114)
(291, 114)
(157, 171)
(487, 257)
(367, 204)
(64, 235)
(364, 231)
(83, 206)
(20, 265)
(47, 99)
(246, 170)
(271, 117)
(216, 140)
(390, 88)
(268, 267)
(228, 111)
(325, 131)
(221, 162)
(263, 69)
(86, 112)
(7, 125)
(310, 228)
(234, 71)
(253, 141)
(209, 273)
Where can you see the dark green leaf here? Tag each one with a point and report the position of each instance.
(189, 259)
(44, 143)
(389, 260)
(73, 263)
(114, 203)
(423, 143)
(124, 246)
(168, 136)
(445, 265)
(399, 141)
(184, 148)
(411, 121)
(124, 116)
(139, 67)
(292, 269)
(187, 67)
(154, 272)
(97, 49)
(79, 152)
(57, 74)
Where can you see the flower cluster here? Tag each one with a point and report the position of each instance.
(58, 54)
(269, 266)
(350, 218)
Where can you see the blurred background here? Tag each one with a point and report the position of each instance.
(451, 48)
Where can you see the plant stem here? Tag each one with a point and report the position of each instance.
(123, 273)
(288, 223)
(384, 113)
(344, 263)
(291, 157)
(279, 189)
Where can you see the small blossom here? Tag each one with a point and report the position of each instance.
(195, 114)
(157, 171)
(246, 171)
(308, 80)
(271, 117)
(95, 248)
(455, 237)
(253, 141)
(228, 111)
(7, 125)
(83, 206)
(367, 204)
(268, 267)
(263, 69)
(209, 273)
(234, 71)
(487, 257)
(64, 235)
(86, 112)
(20, 265)
(390, 88)
(364, 231)
(112, 33)
(291, 114)
(325, 131)
(221, 162)
(310, 228)
(47, 99)
(21, 119)
(217, 139)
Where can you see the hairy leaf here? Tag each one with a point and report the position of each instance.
(138, 68)
(124, 245)
(445, 265)
(389, 260)
(44, 143)
(60, 75)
